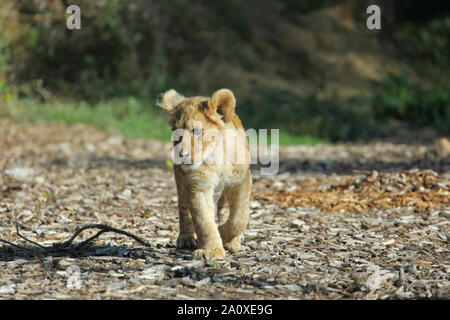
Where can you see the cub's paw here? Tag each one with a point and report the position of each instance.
(186, 242)
(209, 254)
(233, 245)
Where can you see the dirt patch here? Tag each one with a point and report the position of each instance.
(318, 229)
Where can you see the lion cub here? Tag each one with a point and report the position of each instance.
(207, 171)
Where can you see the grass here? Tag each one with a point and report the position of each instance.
(130, 117)
(287, 139)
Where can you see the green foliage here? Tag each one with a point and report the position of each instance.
(4, 59)
(141, 47)
(306, 6)
(398, 97)
(429, 42)
(326, 119)
(116, 52)
(273, 55)
(4, 51)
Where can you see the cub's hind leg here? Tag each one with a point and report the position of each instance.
(223, 209)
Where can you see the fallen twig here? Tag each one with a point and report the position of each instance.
(66, 244)
(104, 228)
(21, 236)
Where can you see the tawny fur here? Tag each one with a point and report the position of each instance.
(198, 184)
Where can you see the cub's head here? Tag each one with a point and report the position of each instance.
(195, 122)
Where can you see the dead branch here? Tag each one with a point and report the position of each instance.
(21, 236)
(66, 244)
(104, 228)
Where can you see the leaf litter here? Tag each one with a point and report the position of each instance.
(343, 221)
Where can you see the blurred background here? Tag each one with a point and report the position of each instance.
(310, 68)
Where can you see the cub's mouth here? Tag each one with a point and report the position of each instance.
(208, 158)
(191, 167)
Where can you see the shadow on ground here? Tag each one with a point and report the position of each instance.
(110, 162)
(30, 252)
(291, 165)
(339, 167)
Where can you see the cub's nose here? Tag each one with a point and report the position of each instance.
(184, 155)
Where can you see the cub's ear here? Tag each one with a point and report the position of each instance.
(223, 102)
(169, 100)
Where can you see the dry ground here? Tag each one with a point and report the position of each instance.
(339, 221)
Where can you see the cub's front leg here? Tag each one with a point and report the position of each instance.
(239, 201)
(186, 236)
(203, 217)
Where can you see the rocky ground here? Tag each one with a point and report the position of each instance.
(338, 222)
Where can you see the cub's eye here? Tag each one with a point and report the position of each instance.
(197, 132)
